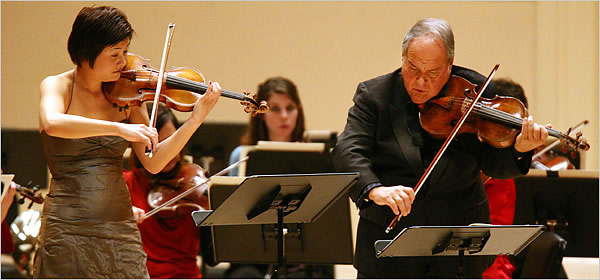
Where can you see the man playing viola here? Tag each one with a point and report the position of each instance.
(384, 141)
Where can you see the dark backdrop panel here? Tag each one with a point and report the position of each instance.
(23, 156)
(570, 202)
(217, 141)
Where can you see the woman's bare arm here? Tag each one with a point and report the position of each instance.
(170, 147)
(54, 100)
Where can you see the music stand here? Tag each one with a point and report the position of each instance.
(566, 201)
(285, 158)
(316, 246)
(425, 241)
(267, 199)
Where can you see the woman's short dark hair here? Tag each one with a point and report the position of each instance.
(257, 129)
(94, 29)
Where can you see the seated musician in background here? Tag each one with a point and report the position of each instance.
(502, 194)
(384, 141)
(284, 122)
(171, 243)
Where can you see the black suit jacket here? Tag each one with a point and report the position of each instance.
(377, 142)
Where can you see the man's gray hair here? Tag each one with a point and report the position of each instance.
(431, 27)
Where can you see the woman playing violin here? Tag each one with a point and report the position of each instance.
(171, 243)
(88, 228)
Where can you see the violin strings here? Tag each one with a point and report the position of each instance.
(493, 113)
(190, 85)
(502, 116)
(187, 84)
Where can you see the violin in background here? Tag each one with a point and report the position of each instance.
(551, 160)
(189, 176)
(547, 158)
(30, 192)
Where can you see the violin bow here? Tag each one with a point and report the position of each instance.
(161, 74)
(190, 190)
(447, 143)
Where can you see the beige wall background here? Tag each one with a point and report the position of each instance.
(327, 48)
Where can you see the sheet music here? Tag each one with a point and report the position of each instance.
(7, 178)
(290, 146)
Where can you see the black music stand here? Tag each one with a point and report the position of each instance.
(268, 199)
(566, 201)
(455, 240)
(316, 246)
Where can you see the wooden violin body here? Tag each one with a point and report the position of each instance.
(189, 176)
(552, 161)
(181, 88)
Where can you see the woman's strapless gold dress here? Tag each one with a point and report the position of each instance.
(88, 229)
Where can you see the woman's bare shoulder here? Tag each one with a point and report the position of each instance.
(60, 83)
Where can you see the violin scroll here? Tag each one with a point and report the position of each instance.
(252, 106)
(578, 142)
(31, 193)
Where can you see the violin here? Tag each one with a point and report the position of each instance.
(29, 192)
(188, 176)
(458, 109)
(552, 161)
(496, 121)
(180, 90)
(202, 185)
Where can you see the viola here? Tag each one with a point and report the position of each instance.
(189, 176)
(180, 90)
(496, 121)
